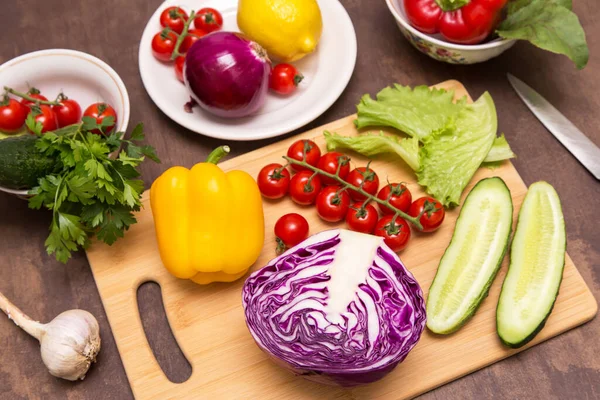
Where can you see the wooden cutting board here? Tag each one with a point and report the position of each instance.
(208, 321)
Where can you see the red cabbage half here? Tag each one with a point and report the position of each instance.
(339, 308)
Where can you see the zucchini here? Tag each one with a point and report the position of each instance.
(21, 164)
(472, 258)
(537, 260)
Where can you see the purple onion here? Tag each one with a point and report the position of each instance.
(227, 74)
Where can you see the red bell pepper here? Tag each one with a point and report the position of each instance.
(458, 21)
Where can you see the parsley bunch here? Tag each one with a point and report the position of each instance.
(90, 193)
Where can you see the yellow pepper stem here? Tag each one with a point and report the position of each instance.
(217, 154)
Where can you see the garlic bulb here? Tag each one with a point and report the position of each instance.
(69, 343)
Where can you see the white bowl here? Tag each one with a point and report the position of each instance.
(81, 76)
(435, 47)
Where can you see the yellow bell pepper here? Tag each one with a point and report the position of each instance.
(209, 223)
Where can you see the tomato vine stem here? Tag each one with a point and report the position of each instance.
(32, 99)
(345, 185)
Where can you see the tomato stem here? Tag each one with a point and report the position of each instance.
(217, 154)
(182, 35)
(32, 99)
(346, 185)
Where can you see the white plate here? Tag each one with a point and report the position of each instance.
(81, 76)
(326, 71)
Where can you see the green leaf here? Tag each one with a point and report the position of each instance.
(549, 25)
(127, 160)
(117, 220)
(450, 158)
(150, 152)
(500, 151)
(372, 145)
(138, 132)
(33, 125)
(93, 214)
(82, 189)
(417, 112)
(71, 229)
(515, 5)
(56, 245)
(89, 124)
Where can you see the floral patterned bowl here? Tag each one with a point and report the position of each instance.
(444, 51)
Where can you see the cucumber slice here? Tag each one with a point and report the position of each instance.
(537, 259)
(472, 258)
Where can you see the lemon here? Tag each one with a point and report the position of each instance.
(287, 29)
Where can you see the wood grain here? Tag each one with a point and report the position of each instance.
(565, 367)
(208, 321)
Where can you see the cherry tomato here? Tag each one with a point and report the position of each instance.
(296, 151)
(100, 111)
(302, 191)
(285, 78)
(366, 177)
(12, 115)
(174, 18)
(192, 37)
(397, 195)
(68, 112)
(330, 163)
(332, 205)
(34, 94)
(395, 233)
(163, 44)
(290, 230)
(44, 115)
(362, 218)
(209, 20)
(433, 214)
(273, 181)
(179, 64)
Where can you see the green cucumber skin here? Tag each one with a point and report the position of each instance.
(486, 289)
(529, 338)
(21, 165)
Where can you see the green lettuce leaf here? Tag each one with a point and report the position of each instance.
(500, 150)
(417, 112)
(373, 144)
(548, 24)
(450, 158)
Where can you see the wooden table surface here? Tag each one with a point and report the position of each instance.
(567, 366)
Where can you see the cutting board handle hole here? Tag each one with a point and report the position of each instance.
(166, 351)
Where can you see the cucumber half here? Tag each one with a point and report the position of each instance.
(537, 260)
(472, 258)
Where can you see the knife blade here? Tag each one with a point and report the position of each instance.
(584, 150)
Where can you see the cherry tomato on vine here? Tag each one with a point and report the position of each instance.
(273, 181)
(329, 162)
(285, 79)
(333, 204)
(362, 218)
(163, 44)
(34, 94)
(192, 37)
(179, 64)
(101, 111)
(304, 187)
(12, 115)
(297, 149)
(209, 20)
(395, 232)
(290, 230)
(68, 112)
(45, 116)
(174, 18)
(366, 177)
(397, 195)
(433, 214)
